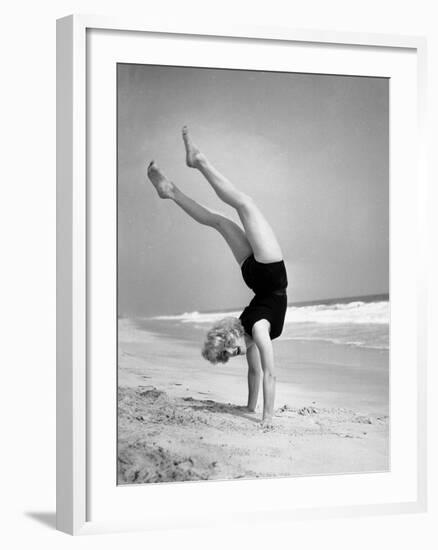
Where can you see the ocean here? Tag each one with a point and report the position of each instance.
(360, 322)
(334, 352)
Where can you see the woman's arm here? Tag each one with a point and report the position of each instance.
(254, 375)
(260, 334)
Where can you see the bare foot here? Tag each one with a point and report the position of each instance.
(193, 155)
(164, 187)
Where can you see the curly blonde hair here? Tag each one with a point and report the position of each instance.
(220, 337)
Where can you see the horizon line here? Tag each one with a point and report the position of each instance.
(383, 296)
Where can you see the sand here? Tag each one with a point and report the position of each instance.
(183, 419)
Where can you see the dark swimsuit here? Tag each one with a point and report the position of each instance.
(269, 282)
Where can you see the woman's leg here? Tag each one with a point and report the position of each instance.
(260, 234)
(231, 232)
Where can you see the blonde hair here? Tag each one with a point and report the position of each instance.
(221, 336)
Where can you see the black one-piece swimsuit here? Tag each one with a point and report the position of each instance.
(269, 283)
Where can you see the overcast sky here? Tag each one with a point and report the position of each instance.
(311, 149)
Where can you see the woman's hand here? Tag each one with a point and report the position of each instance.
(267, 424)
(245, 409)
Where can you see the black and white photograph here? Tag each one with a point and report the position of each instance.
(219, 307)
(252, 274)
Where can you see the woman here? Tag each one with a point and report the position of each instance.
(257, 251)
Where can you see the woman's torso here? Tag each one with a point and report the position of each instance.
(268, 282)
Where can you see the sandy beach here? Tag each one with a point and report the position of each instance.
(181, 418)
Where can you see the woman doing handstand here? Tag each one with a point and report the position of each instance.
(256, 249)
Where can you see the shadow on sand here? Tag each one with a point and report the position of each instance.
(209, 405)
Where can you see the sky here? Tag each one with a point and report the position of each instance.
(313, 152)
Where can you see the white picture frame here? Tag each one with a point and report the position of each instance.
(75, 337)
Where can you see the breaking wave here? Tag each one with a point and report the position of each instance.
(357, 312)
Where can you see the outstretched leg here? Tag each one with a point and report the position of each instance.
(231, 232)
(260, 234)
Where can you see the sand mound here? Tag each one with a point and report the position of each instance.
(165, 439)
(144, 463)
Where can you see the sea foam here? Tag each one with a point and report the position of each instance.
(357, 312)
